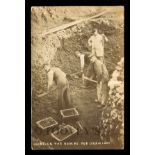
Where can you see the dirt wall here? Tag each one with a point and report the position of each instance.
(59, 48)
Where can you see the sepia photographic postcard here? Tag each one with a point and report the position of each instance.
(77, 77)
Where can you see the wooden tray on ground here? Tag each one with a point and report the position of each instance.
(47, 123)
(69, 113)
(64, 133)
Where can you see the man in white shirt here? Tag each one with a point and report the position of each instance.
(96, 41)
(56, 75)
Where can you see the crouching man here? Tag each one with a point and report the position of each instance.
(56, 75)
(102, 76)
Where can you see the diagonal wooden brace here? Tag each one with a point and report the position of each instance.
(86, 78)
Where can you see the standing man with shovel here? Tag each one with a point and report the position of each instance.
(102, 76)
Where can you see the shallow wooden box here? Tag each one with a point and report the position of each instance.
(47, 123)
(69, 114)
(64, 133)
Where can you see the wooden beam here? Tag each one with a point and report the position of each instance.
(42, 95)
(86, 78)
(74, 73)
(68, 25)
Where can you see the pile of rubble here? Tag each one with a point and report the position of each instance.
(116, 85)
(112, 119)
(43, 51)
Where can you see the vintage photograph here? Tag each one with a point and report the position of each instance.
(77, 77)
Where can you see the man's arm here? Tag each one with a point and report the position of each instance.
(106, 39)
(50, 79)
(90, 41)
(105, 72)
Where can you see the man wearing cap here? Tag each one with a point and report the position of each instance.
(56, 75)
(96, 41)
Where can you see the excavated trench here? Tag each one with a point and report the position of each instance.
(59, 49)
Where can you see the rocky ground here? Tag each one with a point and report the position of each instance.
(58, 48)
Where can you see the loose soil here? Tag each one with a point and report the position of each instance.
(59, 49)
